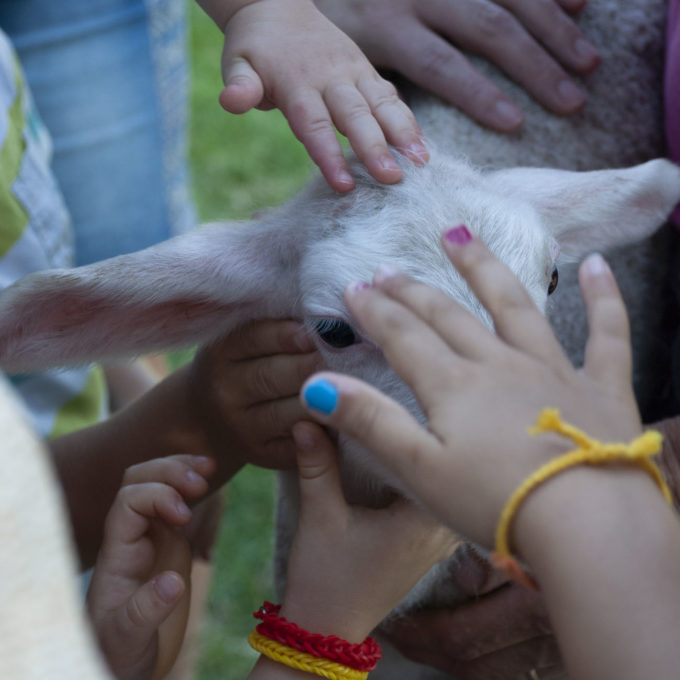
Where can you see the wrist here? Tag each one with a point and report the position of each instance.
(563, 519)
(347, 622)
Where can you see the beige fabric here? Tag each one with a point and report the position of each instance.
(43, 631)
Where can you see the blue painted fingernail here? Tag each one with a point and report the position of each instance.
(321, 396)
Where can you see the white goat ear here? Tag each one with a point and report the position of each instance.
(177, 293)
(587, 211)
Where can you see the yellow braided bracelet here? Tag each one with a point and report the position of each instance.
(305, 662)
(589, 452)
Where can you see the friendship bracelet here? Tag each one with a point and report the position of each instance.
(294, 658)
(363, 656)
(589, 452)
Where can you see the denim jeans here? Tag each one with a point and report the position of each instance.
(109, 78)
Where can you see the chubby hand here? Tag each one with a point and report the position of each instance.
(533, 41)
(244, 392)
(285, 54)
(138, 598)
(480, 390)
(350, 566)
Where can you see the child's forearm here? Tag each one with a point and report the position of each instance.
(91, 462)
(605, 548)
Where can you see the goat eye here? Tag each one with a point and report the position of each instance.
(555, 277)
(336, 333)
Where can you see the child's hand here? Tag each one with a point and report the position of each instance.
(481, 391)
(285, 54)
(350, 566)
(244, 392)
(138, 599)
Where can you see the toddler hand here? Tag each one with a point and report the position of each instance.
(285, 54)
(138, 598)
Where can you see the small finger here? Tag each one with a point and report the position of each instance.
(466, 334)
(311, 123)
(136, 505)
(272, 378)
(276, 418)
(354, 119)
(418, 354)
(185, 473)
(608, 356)
(374, 420)
(396, 120)
(263, 338)
(516, 318)
(243, 88)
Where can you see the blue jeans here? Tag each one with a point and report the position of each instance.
(110, 81)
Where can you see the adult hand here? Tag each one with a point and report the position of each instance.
(533, 41)
(501, 632)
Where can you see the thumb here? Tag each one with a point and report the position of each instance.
(318, 472)
(376, 421)
(243, 88)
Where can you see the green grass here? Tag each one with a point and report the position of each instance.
(239, 164)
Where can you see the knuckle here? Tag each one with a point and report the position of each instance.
(494, 21)
(264, 383)
(136, 613)
(438, 63)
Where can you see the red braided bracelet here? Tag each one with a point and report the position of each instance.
(361, 657)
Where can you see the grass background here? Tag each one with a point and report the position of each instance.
(239, 164)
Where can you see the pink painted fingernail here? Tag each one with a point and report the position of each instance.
(458, 235)
(357, 286)
(384, 271)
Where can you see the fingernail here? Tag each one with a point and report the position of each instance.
(458, 235)
(383, 272)
(183, 509)
(418, 153)
(585, 52)
(595, 265)
(357, 286)
(193, 476)
(168, 586)
(507, 115)
(388, 163)
(321, 396)
(345, 178)
(570, 95)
